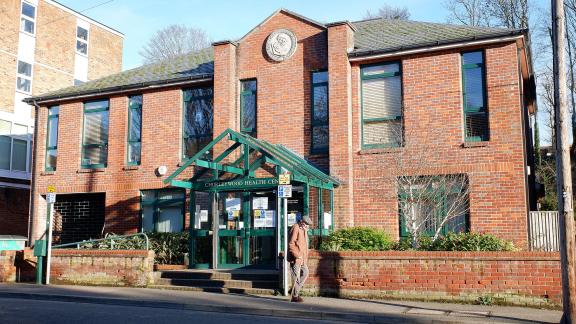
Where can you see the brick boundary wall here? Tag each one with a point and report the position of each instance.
(515, 278)
(102, 267)
(7, 266)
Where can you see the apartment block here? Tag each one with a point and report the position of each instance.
(44, 46)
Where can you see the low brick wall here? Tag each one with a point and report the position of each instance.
(519, 278)
(7, 266)
(102, 267)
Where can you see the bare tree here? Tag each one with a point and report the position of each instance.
(389, 12)
(428, 202)
(172, 41)
(468, 12)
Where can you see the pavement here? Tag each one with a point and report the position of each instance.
(277, 307)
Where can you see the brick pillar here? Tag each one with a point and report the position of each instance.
(340, 41)
(225, 112)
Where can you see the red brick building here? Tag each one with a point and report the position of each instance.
(300, 95)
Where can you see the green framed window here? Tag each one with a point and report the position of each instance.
(162, 210)
(134, 129)
(248, 106)
(95, 134)
(52, 139)
(434, 199)
(381, 105)
(198, 120)
(474, 97)
(320, 139)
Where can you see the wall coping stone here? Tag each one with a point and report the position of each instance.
(439, 255)
(103, 253)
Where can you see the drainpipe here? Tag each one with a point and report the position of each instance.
(31, 205)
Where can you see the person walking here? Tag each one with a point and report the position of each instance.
(298, 256)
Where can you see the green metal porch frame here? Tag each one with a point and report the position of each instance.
(243, 172)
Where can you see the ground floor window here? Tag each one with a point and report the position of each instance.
(162, 210)
(433, 205)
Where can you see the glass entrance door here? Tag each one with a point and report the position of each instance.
(247, 229)
(201, 238)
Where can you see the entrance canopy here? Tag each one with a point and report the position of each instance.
(242, 167)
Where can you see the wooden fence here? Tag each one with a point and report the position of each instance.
(544, 230)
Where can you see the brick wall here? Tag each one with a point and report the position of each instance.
(101, 267)
(78, 217)
(7, 266)
(521, 278)
(14, 207)
(9, 26)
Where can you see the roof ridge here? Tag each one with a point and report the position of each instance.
(437, 23)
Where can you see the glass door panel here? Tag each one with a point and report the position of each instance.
(201, 230)
(231, 229)
(262, 233)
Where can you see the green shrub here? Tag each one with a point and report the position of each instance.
(169, 248)
(405, 243)
(471, 242)
(357, 239)
(116, 242)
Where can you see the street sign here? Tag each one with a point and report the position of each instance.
(284, 178)
(285, 191)
(50, 197)
(51, 189)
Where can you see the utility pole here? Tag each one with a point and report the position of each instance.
(564, 175)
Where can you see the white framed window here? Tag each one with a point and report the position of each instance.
(28, 18)
(24, 80)
(81, 40)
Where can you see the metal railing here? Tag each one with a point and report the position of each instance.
(110, 238)
(544, 230)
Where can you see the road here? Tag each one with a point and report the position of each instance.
(16, 311)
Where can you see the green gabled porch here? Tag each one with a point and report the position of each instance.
(236, 219)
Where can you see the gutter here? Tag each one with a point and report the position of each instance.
(437, 46)
(31, 204)
(121, 89)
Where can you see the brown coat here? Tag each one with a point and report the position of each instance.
(298, 243)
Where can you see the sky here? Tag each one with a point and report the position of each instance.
(226, 19)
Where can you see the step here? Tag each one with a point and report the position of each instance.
(217, 283)
(243, 291)
(248, 275)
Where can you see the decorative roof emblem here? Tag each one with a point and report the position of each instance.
(281, 45)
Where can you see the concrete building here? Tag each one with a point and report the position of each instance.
(44, 46)
(323, 101)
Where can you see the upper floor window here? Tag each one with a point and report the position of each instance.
(52, 139)
(319, 112)
(28, 18)
(134, 129)
(24, 80)
(248, 107)
(381, 105)
(198, 120)
(474, 97)
(81, 40)
(95, 134)
(14, 146)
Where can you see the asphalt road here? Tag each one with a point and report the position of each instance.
(15, 311)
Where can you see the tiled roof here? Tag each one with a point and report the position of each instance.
(190, 66)
(386, 35)
(371, 36)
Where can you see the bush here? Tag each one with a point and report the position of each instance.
(357, 239)
(470, 242)
(169, 248)
(119, 243)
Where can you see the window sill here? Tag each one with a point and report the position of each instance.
(131, 167)
(380, 150)
(94, 170)
(24, 92)
(475, 144)
(47, 173)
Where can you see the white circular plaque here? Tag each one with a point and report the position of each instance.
(280, 45)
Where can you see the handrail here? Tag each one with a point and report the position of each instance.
(111, 238)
